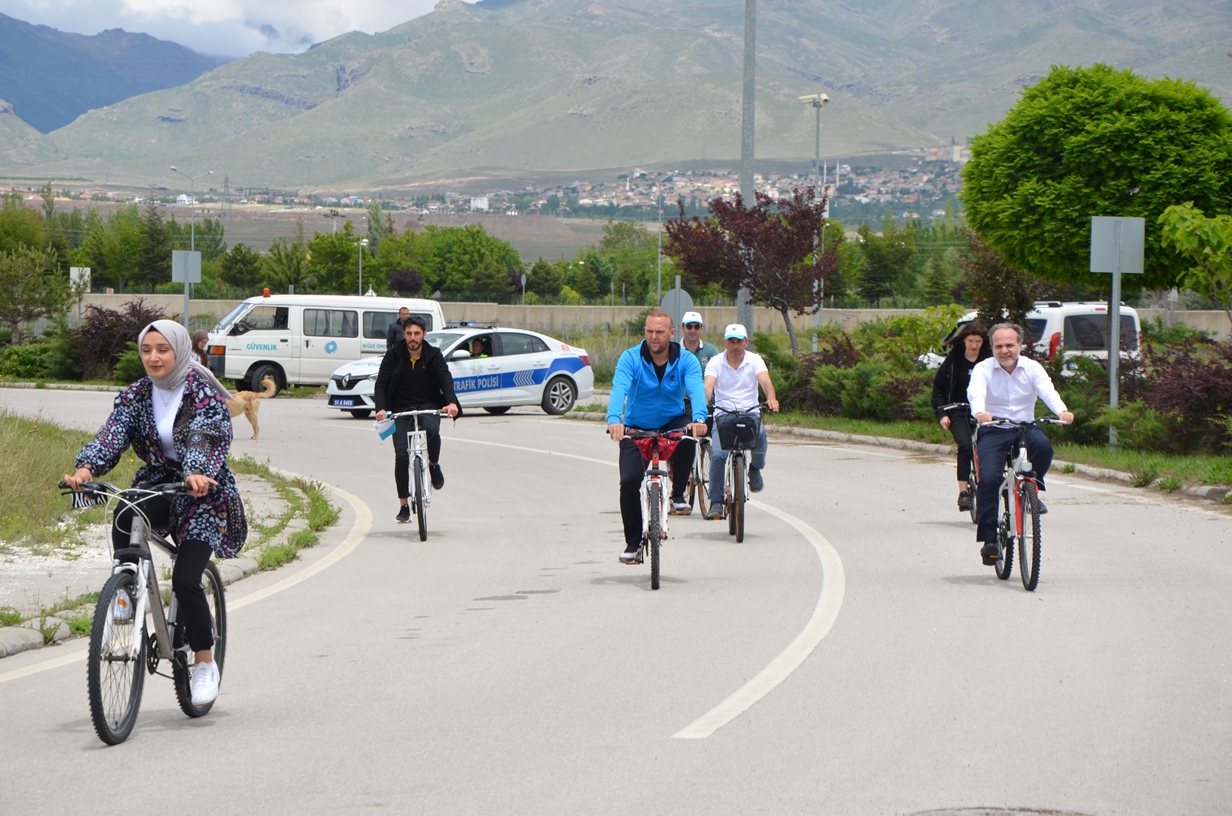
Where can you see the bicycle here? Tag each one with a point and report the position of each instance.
(420, 483)
(119, 646)
(654, 447)
(974, 477)
(738, 433)
(1018, 516)
(699, 480)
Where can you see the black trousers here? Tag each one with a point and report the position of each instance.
(185, 574)
(960, 429)
(633, 470)
(402, 453)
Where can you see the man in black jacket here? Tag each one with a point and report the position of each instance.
(394, 333)
(414, 377)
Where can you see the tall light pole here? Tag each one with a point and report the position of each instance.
(744, 298)
(192, 186)
(818, 101)
(363, 244)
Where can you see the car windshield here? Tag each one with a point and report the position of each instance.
(442, 340)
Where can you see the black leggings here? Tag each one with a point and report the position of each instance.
(185, 575)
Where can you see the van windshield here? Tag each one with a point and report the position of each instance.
(222, 325)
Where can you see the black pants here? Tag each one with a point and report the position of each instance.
(995, 445)
(633, 470)
(185, 575)
(402, 453)
(960, 429)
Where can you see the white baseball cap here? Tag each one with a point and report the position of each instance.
(735, 331)
(691, 317)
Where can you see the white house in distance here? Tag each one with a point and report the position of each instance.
(479, 204)
(186, 200)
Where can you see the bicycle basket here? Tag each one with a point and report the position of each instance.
(737, 431)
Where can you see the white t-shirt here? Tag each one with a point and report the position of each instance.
(166, 406)
(735, 389)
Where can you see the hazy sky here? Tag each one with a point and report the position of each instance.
(229, 28)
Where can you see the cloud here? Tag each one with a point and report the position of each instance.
(229, 28)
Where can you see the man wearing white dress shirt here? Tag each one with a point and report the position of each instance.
(1007, 385)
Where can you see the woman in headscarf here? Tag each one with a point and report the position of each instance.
(200, 341)
(176, 420)
(968, 347)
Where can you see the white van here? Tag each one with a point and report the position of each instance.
(302, 339)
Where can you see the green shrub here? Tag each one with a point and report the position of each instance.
(1218, 473)
(872, 389)
(128, 367)
(22, 362)
(1170, 483)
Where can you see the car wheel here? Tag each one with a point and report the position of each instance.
(496, 409)
(559, 396)
(362, 413)
(262, 371)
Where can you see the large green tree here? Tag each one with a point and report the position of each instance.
(1207, 244)
(30, 287)
(1095, 141)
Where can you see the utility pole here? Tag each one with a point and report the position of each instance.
(744, 300)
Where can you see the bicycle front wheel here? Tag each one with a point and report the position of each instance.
(1005, 539)
(701, 477)
(654, 529)
(1029, 540)
(421, 507)
(115, 665)
(738, 498)
(972, 487)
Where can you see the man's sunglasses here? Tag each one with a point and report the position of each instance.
(692, 325)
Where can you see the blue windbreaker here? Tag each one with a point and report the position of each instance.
(640, 400)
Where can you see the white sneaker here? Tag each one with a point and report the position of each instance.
(204, 683)
(680, 508)
(122, 607)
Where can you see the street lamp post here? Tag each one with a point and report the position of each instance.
(192, 186)
(192, 230)
(818, 101)
(363, 244)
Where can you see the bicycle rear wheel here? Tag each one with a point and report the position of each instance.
(654, 529)
(1005, 539)
(183, 661)
(115, 674)
(421, 509)
(1029, 541)
(738, 498)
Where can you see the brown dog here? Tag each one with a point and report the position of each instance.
(249, 402)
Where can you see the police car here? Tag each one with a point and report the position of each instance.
(493, 369)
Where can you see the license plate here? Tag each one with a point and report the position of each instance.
(339, 402)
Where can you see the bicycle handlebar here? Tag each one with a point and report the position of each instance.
(103, 488)
(761, 406)
(1006, 422)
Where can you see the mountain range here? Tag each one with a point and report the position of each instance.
(516, 89)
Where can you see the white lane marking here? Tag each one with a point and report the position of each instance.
(825, 613)
(607, 462)
(359, 530)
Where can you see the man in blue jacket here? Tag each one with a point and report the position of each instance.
(648, 391)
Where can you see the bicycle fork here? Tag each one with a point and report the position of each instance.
(657, 477)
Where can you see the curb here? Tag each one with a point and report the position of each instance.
(63, 386)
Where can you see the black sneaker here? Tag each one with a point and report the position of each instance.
(755, 480)
(964, 502)
(990, 552)
(1043, 508)
(438, 478)
(632, 554)
(404, 515)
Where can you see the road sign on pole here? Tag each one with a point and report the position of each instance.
(186, 269)
(1117, 248)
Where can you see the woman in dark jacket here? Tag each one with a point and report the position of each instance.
(176, 421)
(968, 347)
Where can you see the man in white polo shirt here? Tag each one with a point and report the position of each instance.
(1007, 385)
(731, 382)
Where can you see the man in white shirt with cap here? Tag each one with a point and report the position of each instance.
(731, 380)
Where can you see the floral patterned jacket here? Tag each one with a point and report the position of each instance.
(201, 436)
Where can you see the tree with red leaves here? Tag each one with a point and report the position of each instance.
(767, 249)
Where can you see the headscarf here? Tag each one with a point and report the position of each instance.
(181, 344)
